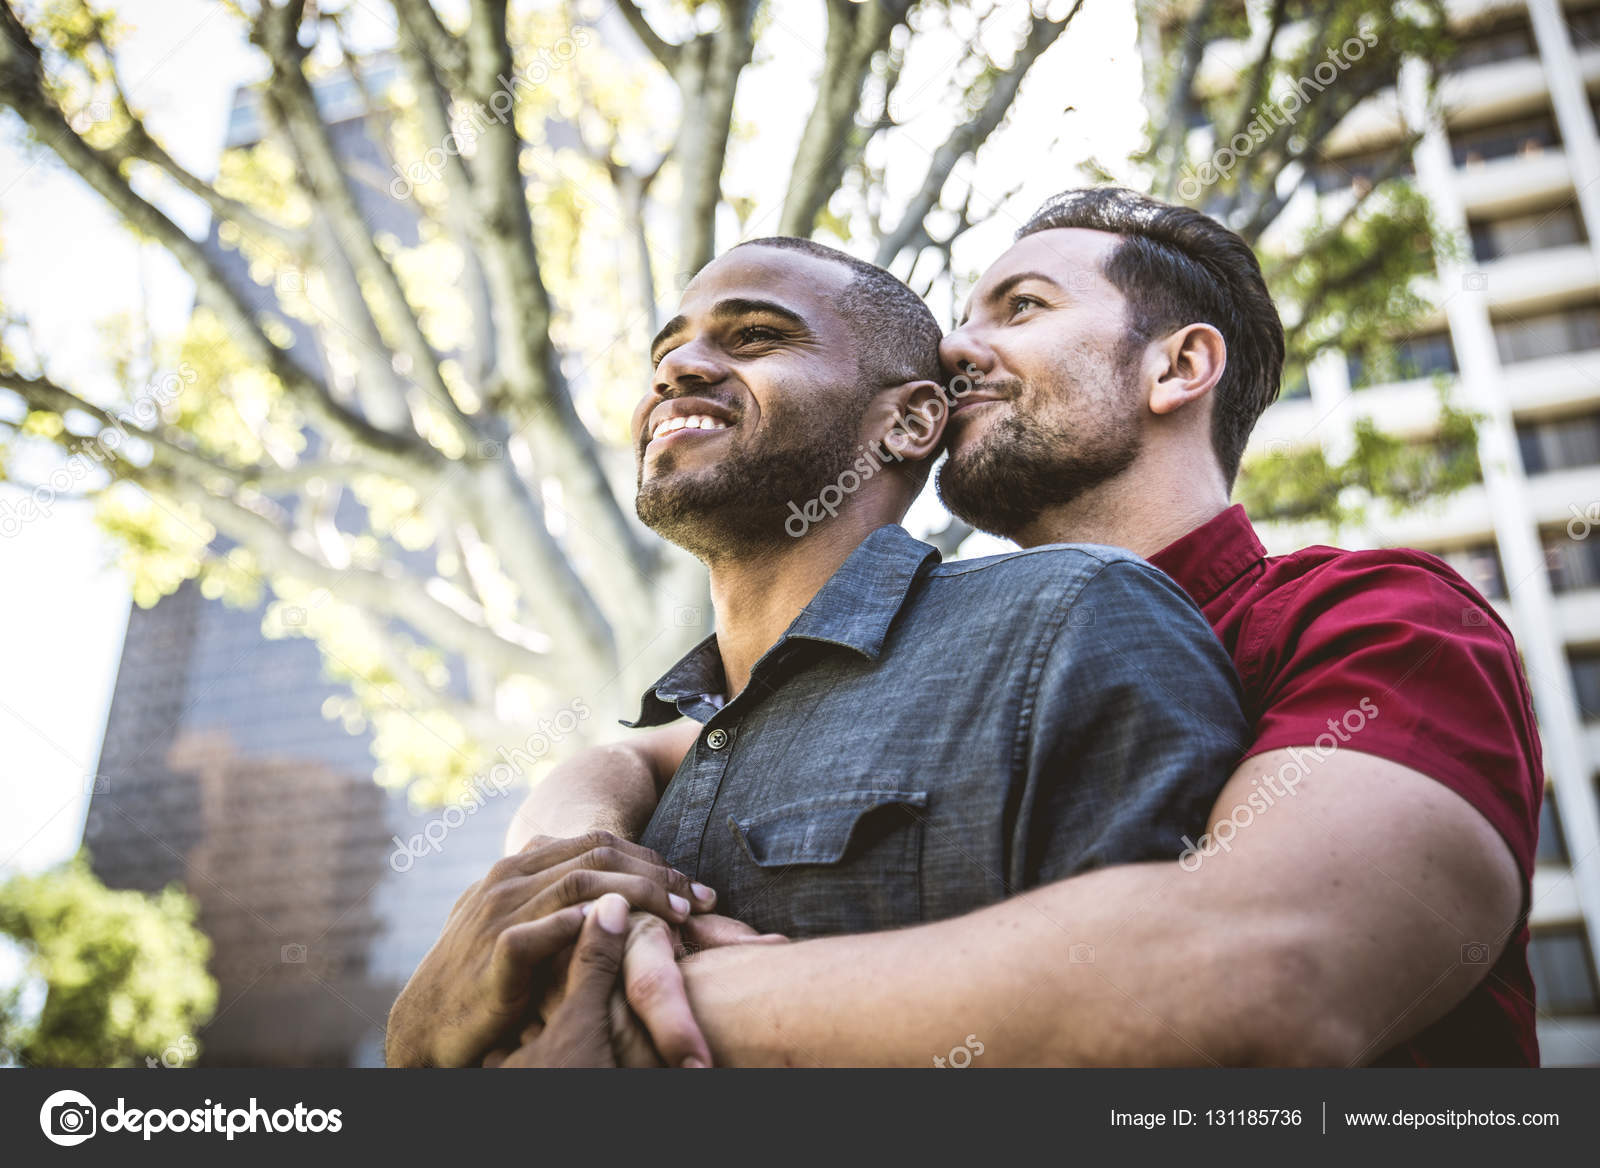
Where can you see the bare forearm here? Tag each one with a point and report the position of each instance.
(607, 788)
(1126, 966)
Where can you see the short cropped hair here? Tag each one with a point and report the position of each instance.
(896, 337)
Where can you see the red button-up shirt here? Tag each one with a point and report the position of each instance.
(1315, 634)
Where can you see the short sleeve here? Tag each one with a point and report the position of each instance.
(1395, 658)
(1137, 727)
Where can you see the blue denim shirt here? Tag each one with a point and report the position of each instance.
(928, 738)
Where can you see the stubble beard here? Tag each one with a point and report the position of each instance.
(737, 507)
(1020, 466)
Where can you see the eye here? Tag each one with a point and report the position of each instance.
(1018, 303)
(756, 334)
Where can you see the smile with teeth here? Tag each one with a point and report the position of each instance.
(692, 422)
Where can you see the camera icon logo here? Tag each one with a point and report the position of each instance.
(1475, 953)
(292, 954)
(67, 1118)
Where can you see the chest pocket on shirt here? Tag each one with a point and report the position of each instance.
(847, 861)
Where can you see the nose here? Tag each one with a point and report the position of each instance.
(690, 366)
(964, 352)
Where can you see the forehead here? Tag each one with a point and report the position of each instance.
(807, 285)
(1071, 256)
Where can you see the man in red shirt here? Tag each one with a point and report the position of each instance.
(1361, 892)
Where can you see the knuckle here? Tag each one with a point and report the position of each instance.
(502, 870)
(605, 856)
(594, 840)
(578, 884)
(599, 959)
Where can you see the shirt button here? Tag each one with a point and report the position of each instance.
(717, 739)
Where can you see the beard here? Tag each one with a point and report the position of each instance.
(739, 505)
(1023, 465)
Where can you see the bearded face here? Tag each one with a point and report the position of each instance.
(756, 403)
(719, 492)
(1058, 408)
(1042, 443)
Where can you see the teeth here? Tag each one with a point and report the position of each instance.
(692, 422)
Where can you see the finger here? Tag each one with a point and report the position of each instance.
(520, 949)
(629, 1042)
(712, 930)
(578, 884)
(496, 1058)
(545, 852)
(596, 962)
(655, 990)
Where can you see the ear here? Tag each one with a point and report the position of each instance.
(908, 419)
(1188, 365)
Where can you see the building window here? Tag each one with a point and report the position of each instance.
(1585, 666)
(1358, 170)
(1559, 445)
(1504, 40)
(1515, 234)
(1521, 137)
(1572, 564)
(1422, 355)
(1479, 565)
(1583, 24)
(1570, 330)
(1562, 972)
(1552, 843)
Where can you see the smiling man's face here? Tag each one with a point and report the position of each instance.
(1057, 409)
(755, 402)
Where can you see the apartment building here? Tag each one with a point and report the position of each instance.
(1510, 161)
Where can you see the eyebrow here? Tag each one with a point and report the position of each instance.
(731, 309)
(999, 291)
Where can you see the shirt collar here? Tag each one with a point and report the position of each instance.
(854, 610)
(1212, 556)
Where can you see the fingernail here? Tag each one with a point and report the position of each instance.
(702, 892)
(613, 913)
(677, 902)
(692, 1064)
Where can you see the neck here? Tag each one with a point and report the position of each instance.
(1160, 498)
(757, 596)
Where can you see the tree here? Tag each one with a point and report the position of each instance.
(124, 973)
(409, 432)
(1243, 143)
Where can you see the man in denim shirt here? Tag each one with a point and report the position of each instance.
(928, 738)
(884, 739)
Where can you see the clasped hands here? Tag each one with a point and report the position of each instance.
(542, 963)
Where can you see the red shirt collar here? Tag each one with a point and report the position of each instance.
(1213, 555)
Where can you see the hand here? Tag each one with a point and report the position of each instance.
(578, 1033)
(476, 982)
(660, 1027)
